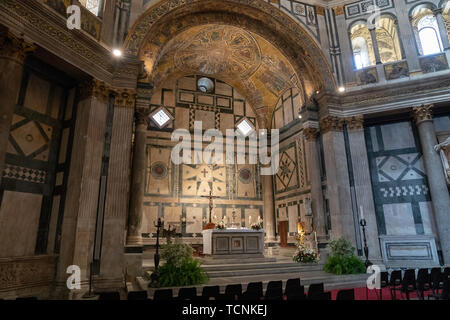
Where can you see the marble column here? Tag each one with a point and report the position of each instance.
(407, 36)
(13, 52)
(269, 208)
(436, 179)
(313, 156)
(376, 50)
(134, 237)
(442, 29)
(363, 185)
(112, 262)
(338, 184)
(78, 228)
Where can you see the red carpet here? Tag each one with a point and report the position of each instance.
(361, 294)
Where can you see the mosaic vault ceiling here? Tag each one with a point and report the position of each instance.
(243, 59)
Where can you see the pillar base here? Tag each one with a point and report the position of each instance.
(134, 241)
(133, 263)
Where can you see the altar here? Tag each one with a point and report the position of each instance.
(232, 243)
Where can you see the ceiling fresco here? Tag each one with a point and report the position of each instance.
(241, 58)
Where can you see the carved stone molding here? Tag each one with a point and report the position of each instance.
(94, 88)
(26, 272)
(142, 115)
(422, 113)
(311, 133)
(355, 122)
(331, 123)
(14, 48)
(125, 98)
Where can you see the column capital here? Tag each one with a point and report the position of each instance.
(14, 48)
(125, 98)
(94, 88)
(355, 122)
(422, 113)
(331, 123)
(142, 115)
(311, 133)
(437, 11)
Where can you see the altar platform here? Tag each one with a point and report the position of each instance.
(233, 243)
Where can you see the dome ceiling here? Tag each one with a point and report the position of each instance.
(243, 59)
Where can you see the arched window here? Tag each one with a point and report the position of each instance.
(361, 40)
(388, 40)
(92, 5)
(360, 53)
(426, 30)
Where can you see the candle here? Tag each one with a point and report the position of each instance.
(315, 236)
(362, 212)
(250, 220)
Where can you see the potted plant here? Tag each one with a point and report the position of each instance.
(305, 255)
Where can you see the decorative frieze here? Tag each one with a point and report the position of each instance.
(310, 133)
(12, 47)
(331, 123)
(125, 98)
(422, 113)
(355, 122)
(94, 88)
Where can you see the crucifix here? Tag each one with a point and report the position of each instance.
(210, 197)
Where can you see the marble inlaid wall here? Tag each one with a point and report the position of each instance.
(174, 192)
(292, 186)
(402, 199)
(32, 188)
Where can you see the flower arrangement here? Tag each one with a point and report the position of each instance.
(256, 226)
(305, 255)
(221, 226)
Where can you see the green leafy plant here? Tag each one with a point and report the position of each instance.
(180, 268)
(304, 254)
(342, 260)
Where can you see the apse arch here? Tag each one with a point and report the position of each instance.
(167, 18)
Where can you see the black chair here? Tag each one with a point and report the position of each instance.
(436, 278)
(446, 274)
(254, 291)
(233, 291)
(210, 292)
(113, 295)
(409, 282)
(274, 290)
(446, 290)
(314, 290)
(348, 294)
(384, 282)
(137, 295)
(294, 291)
(395, 282)
(163, 294)
(321, 296)
(423, 283)
(187, 294)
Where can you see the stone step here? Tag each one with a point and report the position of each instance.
(263, 271)
(217, 261)
(263, 266)
(331, 282)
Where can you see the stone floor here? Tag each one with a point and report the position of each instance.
(278, 266)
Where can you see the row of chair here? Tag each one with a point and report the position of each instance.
(436, 281)
(274, 291)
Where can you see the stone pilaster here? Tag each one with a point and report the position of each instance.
(376, 50)
(13, 52)
(362, 185)
(442, 29)
(112, 263)
(438, 187)
(138, 174)
(78, 229)
(338, 185)
(407, 37)
(313, 157)
(269, 208)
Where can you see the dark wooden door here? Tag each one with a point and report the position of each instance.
(283, 231)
